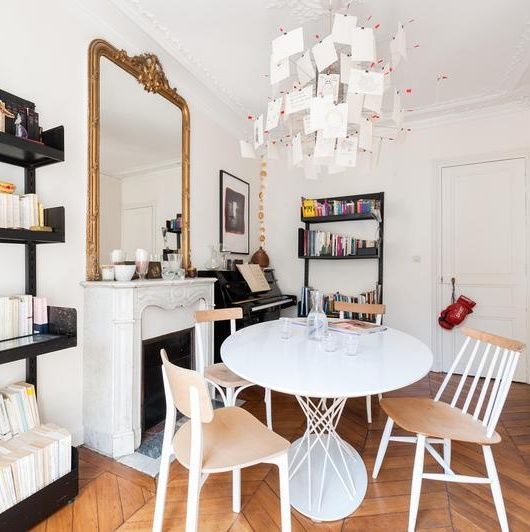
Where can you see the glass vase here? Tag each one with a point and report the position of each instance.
(317, 321)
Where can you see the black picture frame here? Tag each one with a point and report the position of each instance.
(234, 214)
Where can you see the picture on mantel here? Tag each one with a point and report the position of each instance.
(234, 213)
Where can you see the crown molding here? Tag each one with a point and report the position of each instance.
(159, 32)
(139, 170)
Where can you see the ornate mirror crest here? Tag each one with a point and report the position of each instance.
(148, 71)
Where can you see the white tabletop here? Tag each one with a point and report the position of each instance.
(385, 361)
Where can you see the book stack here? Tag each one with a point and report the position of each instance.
(20, 211)
(332, 207)
(31, 455)
(325, 244)
(371, 296)
(16, 316)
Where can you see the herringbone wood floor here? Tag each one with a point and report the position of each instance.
(114, 497)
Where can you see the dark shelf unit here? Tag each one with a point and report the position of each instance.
(362, 254)
(62, 321)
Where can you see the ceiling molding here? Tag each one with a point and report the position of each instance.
(160, 33)
(503, 96)
(152, 168)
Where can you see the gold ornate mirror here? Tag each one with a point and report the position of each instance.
(138, 158)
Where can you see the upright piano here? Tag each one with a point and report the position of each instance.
(231, 290)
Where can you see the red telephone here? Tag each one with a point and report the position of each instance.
(457, 311)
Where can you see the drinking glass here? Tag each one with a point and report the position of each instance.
(141, 268)
(167, 273)
(351, 344)
(330, 342)
(285, 328)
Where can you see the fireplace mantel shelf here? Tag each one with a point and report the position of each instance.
(147, 283)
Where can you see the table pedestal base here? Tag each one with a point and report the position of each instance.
(327, 475)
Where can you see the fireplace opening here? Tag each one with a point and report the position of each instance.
(179, 346)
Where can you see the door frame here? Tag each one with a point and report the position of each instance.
(436, 251)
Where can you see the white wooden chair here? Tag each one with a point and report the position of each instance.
(362, 308)
(213, 441)
(218, 374)
(437, 422)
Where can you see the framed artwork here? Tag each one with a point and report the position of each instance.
(234, 213)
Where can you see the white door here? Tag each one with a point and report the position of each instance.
(483, 238)
(137, 229)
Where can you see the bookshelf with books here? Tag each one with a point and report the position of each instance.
(22, 341)
(317, 243)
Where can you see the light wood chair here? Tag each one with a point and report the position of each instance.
(489, 357)
(218, 374)
(370, 309)
(213, 441)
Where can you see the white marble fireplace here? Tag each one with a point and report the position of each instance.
(118, 316)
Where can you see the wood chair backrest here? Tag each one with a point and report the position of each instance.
(496, 364)
(182, 386)
(374, 309)
(209, 316)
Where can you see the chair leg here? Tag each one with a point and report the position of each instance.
(385, 438)
(495, 487)
(369, 408)
(417, 477)
(192, 507)
(447, 455)
(268, 407)
(236, 491)
(229, 397)
(161, 490)
(285, 503)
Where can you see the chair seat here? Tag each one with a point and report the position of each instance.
(422, 415)
(234, 438)
(220, 374)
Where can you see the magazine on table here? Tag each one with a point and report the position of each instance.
(348, 326)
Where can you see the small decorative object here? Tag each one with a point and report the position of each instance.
(142, 263)
(117, 256)
(4, 112)
(107, 272)
(260, 257)
(317, 321)
(124, 272)
(216, 260)
(154, 270)
(191, 272)
(234, 214)
(20, 130)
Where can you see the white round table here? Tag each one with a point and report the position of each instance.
(333, 482)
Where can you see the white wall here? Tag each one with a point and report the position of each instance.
(406, 175)
(48, 65)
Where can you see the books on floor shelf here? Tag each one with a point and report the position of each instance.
(328, 303)
(31, 455)
(336, 207)
(326, 244)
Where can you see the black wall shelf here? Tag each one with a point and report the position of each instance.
(24, 152)
(37, 507)
(53, 218)
(62, 321)
(362, 253)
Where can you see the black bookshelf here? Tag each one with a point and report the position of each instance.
(362, 253)
(62, 321)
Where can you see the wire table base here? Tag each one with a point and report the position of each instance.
(328, 478)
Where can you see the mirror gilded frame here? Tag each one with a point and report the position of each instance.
(147, 70)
